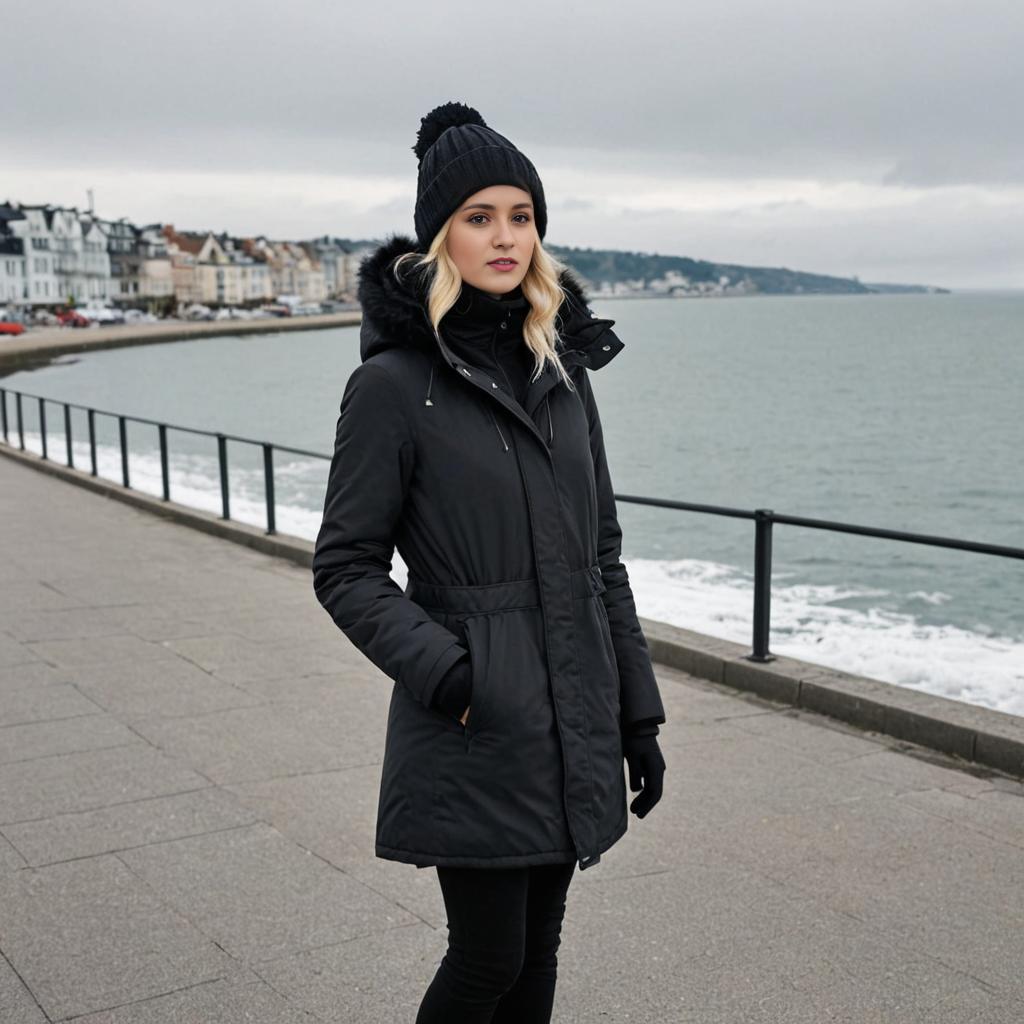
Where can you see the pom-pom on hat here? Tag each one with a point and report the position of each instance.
(459, 155)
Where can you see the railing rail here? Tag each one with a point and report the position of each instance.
(764, 518)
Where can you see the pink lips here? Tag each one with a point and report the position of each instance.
(503, 266)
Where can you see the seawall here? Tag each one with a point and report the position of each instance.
(39, 345)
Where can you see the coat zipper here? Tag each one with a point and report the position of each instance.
(447, 355)
(547, 404)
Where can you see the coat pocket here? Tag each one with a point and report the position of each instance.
(606, 635)
(510, 701)
(476, 696)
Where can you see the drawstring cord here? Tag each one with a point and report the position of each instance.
(497, 428)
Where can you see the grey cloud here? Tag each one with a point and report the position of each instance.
(908, 95)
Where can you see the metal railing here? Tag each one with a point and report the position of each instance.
(764, 518)
(162, 428)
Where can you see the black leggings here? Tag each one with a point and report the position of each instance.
(504, 928)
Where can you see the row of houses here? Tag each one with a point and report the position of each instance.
(55, 255)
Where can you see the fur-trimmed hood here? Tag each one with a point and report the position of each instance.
(394, 312)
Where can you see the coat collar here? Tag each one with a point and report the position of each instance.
(476, 320)
(475, 306)
(394, 311)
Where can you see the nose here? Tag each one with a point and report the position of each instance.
(503, 235)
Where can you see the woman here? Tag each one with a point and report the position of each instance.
(469, 439)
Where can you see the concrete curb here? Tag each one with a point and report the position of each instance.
(972, 733)
(987, 737)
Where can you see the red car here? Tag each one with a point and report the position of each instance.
(10, 327)
(71, 318)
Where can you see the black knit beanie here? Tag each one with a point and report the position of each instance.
(460, 155)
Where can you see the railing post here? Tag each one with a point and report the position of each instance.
(165, 472)
(91, 414)
(268, 478)
(42, 424)
(67, 434)
(222, 459)
(763, 518)
(3, 411)
(122, 429)
(21, 420)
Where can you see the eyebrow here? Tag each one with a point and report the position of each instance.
(491, 206)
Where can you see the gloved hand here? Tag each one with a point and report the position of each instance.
(643, 756)
(453, 693)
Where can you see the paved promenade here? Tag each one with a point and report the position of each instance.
(189, 760)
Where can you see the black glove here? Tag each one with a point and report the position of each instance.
(453, 693)
(643, 756)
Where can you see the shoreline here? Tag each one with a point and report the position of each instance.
(41, 345)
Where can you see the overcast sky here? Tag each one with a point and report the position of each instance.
(881, 139)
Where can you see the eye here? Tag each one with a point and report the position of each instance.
(473, 218)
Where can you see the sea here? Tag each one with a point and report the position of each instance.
(902, 411)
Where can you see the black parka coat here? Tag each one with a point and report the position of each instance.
(505, 518)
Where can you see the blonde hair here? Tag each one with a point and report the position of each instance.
(541, 289)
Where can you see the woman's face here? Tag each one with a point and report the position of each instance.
(493, 224)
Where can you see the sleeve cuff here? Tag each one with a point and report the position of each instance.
(448, 657)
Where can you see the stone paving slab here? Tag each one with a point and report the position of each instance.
(44, 704)
(223, 1000)
(215, 863)
(29, 741)
(89, 933)
(260, 895)
(180, 688)
(46, 786)
(124, 826)
(17, 1003)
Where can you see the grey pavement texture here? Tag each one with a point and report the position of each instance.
(189, 760)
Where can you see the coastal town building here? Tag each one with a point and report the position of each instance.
(340, 265)
(140, 265)
(54, 255)
(40, 259)
(13, 275)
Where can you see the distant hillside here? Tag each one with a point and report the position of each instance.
(610, 272)
(613, 272)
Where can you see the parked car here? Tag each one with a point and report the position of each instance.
(11, 327)
(138, 316)
(102, 314)
(72, 318)
(197, 311)
(307, 309)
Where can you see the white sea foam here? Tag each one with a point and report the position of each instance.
(706, 597)
(806, 623)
